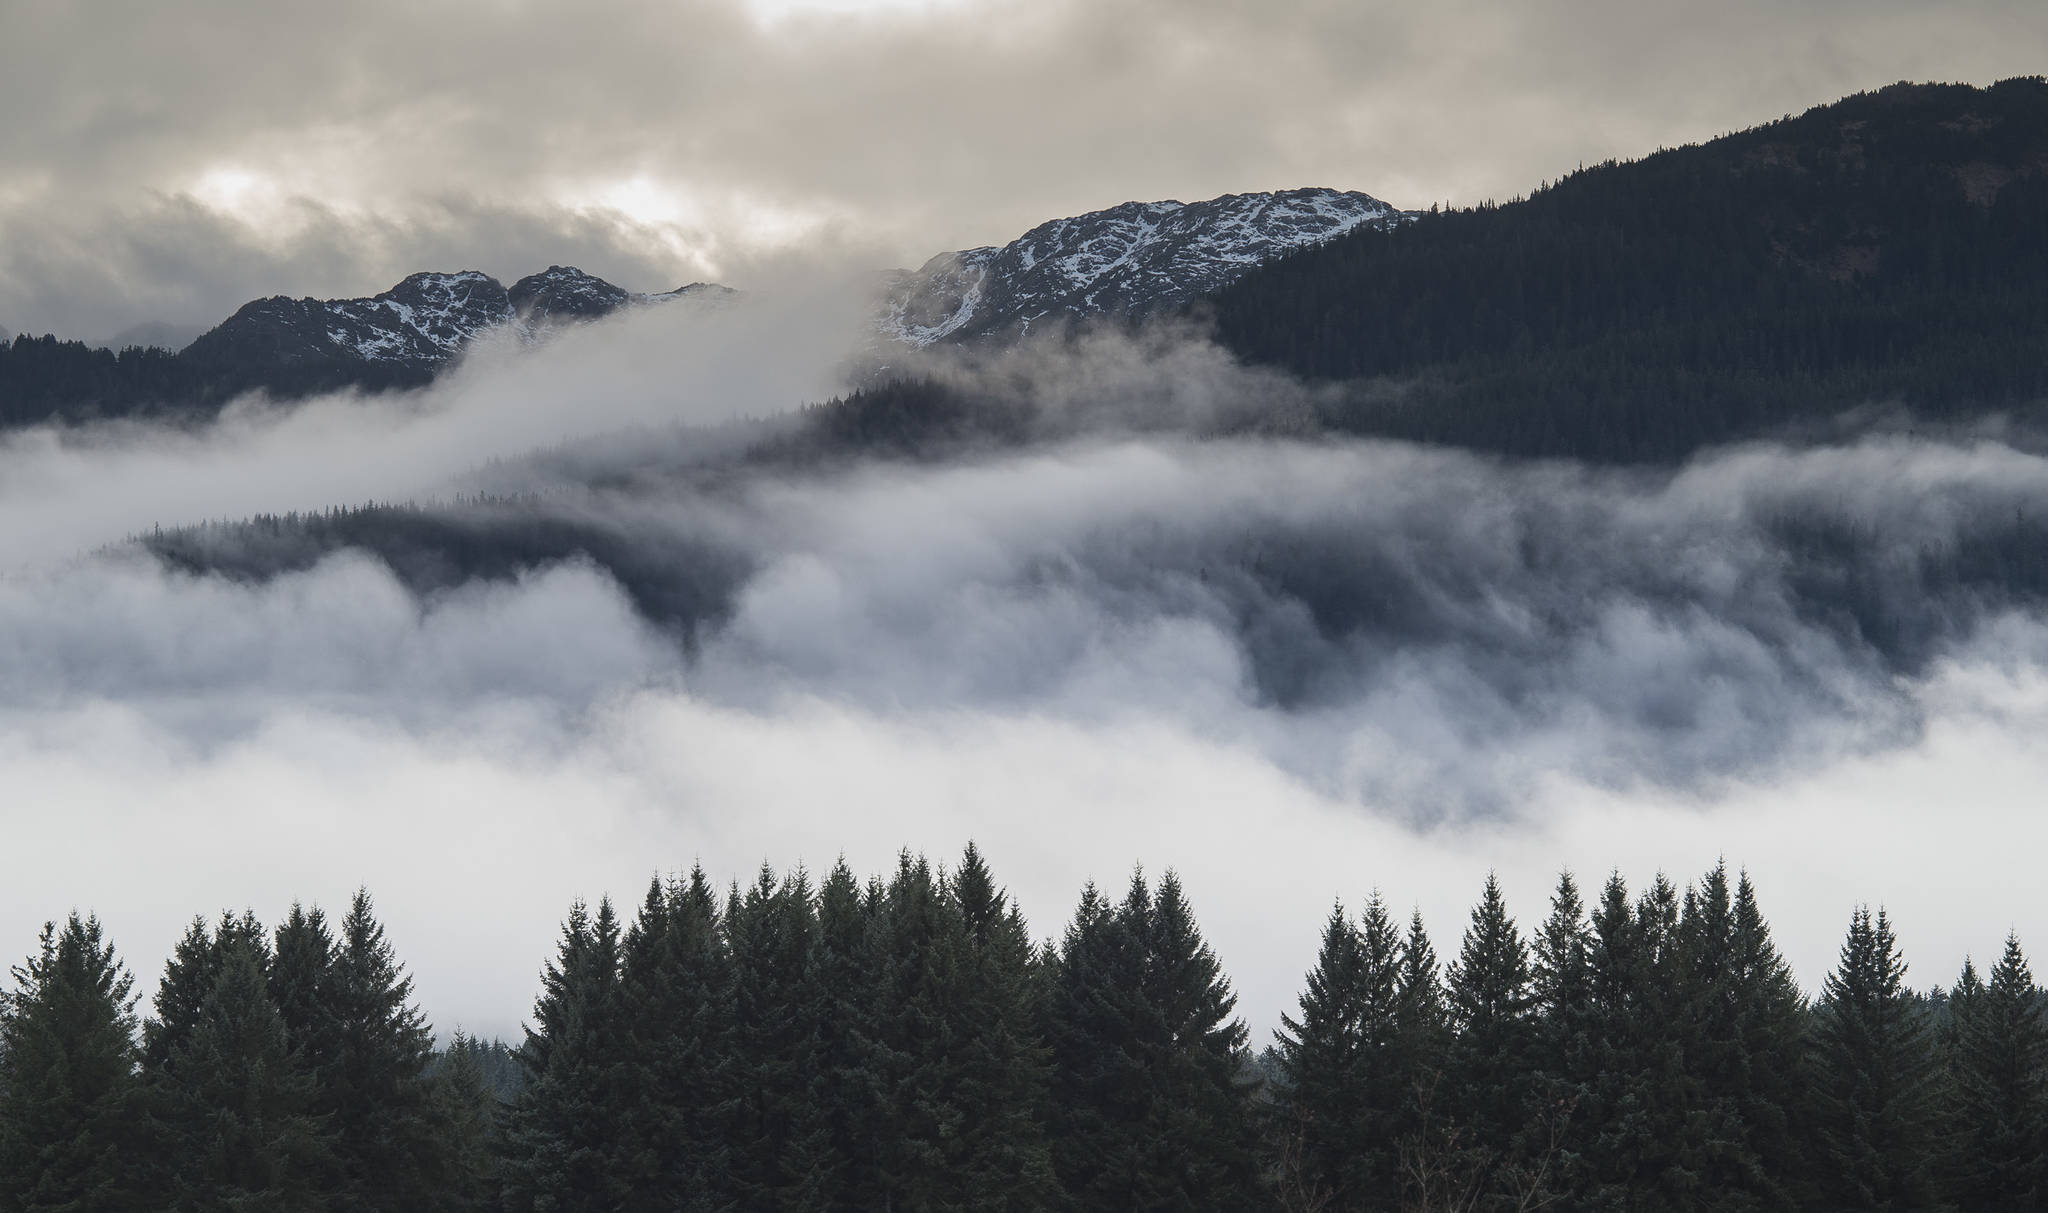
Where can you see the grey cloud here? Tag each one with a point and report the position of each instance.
(1420, 630)
(67, 491)
(896, 136)
(916, 664)
(213, 654)
(1292, 669)
(1425, 633)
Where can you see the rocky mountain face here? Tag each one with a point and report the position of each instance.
(1127, 260)
(418, 325)
(564, 293)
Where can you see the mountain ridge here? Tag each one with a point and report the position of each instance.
(423, 322)
(1134, 258)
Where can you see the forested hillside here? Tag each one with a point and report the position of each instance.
(902, 1043)
(44, 379)
(678, 580)
(1890, 249)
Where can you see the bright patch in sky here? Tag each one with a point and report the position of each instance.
(274, 204)
(770, 12)
(232, 190)
(701, 226)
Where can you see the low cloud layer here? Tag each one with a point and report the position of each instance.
(167, 164)
(1294, 669)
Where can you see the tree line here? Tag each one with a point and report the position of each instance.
(902, 1043)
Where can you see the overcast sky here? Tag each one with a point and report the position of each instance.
(166, 162)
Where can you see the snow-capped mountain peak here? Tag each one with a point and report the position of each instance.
(420, 324)
(428, 315)
(1128, 259)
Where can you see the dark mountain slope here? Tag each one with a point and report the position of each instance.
(1891, 248)
(291, 348)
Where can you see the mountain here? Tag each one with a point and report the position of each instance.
(421, 323)
(1128, 260)
(289, 348)
(413, 329)
(1133, 259)
(564, 293)
(1888, 251)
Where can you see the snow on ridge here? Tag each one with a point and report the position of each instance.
(1129, 258)
(430, 317)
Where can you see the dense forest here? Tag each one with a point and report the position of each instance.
(44, 379)
(902, 1043)
(1890, 249)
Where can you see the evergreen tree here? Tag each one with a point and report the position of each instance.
(301, 969)
(393, 1150)
(71, 1125)
(1099, 1023)
(1202, 1144)
(1962, 999)
(189, 980)
(672, 990)
(1703, 1081)
(1345, 1088)
(844, 1127)
(1622, 1146)
(1419, 1015)
(468, 1109)
(1318, 1109)
(1152, 1109)
(1563, 1069)
(1662, 1011)
(562, 1137)
(1000, 1159)
(1486, 994)
(2002, 1090)
(919, 945)
(1766, 1082)
(231, 1097)
(301, 977)
(770, 1046)
(1386, 1072)
(1874, 1078)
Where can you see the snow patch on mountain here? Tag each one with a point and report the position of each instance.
(1129, 259)
(429, 318)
